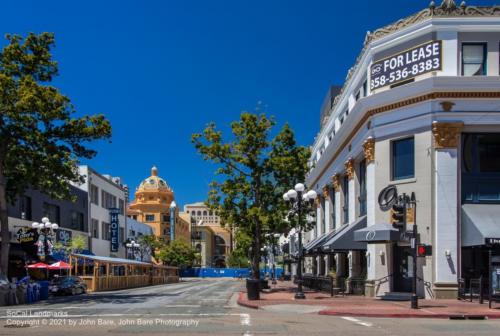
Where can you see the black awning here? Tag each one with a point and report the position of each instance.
(378, 233)
(343, 239)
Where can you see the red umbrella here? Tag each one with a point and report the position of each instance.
(38, 265)
(59, 265)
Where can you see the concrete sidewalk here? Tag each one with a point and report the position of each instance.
(283, 293)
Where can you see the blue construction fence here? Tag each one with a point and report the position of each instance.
(201, 272)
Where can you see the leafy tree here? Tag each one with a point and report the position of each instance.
(255, 171)
(177, 253)
(75, 245)
(40, 139)
(237, 258)
(150, 244)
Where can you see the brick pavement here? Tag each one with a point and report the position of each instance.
(283, 293)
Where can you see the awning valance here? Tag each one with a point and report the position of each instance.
(480, 224)
(378, 233)
(343, 239)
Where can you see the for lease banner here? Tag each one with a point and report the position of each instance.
(406, 65)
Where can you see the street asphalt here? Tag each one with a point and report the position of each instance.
(205, 306)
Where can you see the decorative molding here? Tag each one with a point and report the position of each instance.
(349, 169)
(448, 8)
(446, 134)
(369, 149)
(401, 104)
(336, 182)
(317, 202)
(447, 105)
(326, 192)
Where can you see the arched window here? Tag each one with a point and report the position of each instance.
(199, 213)
(205, 213)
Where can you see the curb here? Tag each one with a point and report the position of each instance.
(241, 301)
(411, 315)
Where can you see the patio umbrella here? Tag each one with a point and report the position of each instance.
(38, 265)
(59, 266)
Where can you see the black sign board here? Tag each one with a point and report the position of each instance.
(27, 236)
(406, 65)
(115, 227)
(63, 236)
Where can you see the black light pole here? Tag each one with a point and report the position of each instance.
(298, 199)
(414, 297)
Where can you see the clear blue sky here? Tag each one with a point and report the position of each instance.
(161, 70)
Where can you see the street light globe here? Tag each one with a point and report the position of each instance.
(292, 194)
(55, 226)
(285, 197)
(299, 187)
(45, 220)
(277, 235)
(128, 245)
(311, 194)
(136, 245)
(34, 225)
(48, 225)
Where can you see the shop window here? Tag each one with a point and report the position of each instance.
(403, 159)
(473, 59)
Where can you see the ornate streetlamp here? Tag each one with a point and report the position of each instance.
(273, 237)
(46, 235)
(133, 247)
(300, 202)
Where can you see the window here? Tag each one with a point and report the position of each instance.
(480, 168)
(323, 217)
(95, 228)
(331, 190)
(134, 217)
(365, 88)
(106, 231)
(166, 218)
(473, 59)
(358, 95)
(199, 213)
(121, 205)
(25, 207)
(204, 213)
(345, 189)
(362, 188)
(403, 159)
(94, 194)
(108, 200)
(150, 218)
(52, 212)
(77, 221)
(121, 237)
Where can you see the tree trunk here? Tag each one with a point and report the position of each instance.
(4, 224)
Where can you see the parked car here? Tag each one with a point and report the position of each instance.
(68, 285)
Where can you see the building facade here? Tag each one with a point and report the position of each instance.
(419, 111)
(135, 231)
(32, 206)
(154, 205)
(214, 243)
(106, 212)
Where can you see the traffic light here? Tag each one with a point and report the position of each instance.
(424, 250)
(398, 215)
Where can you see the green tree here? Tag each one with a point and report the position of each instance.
(75, 245)
(151, 244)
(254, 172)
(40, 139)
(177, 253)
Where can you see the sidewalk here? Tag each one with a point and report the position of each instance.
(283, 294)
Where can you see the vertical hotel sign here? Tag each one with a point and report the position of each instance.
(406, 65)
(115, 229)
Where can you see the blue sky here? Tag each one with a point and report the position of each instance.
(161, 70)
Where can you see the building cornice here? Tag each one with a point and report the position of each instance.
(397, 105)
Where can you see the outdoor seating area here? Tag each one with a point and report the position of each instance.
(106, 273)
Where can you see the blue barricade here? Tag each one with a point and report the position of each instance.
(222, 272)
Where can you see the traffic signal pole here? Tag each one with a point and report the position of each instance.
(414, 297)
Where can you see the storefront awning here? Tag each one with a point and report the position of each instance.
(315, 245)
(480, 224)
(378, 233)
(343, 239)
(309, 244)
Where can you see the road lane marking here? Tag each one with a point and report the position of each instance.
(358, 322)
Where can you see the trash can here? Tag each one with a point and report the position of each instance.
(44, 290)
(253, 289)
